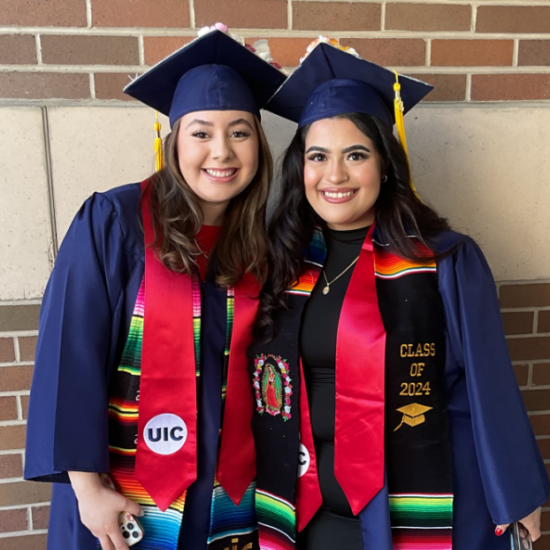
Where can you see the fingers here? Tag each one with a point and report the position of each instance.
(534, 530)
(106, 543)
(133, 508)
(118, 540)
(501, 529)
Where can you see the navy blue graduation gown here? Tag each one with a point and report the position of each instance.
(498, 473)
(84, 321)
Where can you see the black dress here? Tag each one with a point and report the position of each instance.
(334, 525)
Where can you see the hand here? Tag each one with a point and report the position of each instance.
(530, 522)
(100, 507)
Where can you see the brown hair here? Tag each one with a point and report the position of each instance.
(177, 218)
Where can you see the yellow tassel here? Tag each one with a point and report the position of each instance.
(158, 145)
(400, 125)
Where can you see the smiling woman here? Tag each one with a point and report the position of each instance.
(141, 368)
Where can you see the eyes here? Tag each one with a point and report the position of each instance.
(353, 156)
(236, 134)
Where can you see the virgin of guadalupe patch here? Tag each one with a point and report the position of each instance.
(272, 385)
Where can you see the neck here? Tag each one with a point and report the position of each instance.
(213, 213)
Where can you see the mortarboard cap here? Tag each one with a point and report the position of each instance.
(413, 414)
(331, 82)
(212, 73)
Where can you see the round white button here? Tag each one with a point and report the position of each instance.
(303, 460)
(165, 434)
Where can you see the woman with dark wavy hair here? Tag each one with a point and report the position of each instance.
(140, 403)
(399, 424)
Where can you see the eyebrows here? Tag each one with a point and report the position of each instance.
(356, 147)
(235, 122)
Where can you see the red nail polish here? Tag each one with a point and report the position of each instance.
(498, 531)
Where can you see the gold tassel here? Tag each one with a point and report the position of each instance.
(400, 125)
(158, 145)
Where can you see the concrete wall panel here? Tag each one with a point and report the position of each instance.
(487, 168)
(25, 230)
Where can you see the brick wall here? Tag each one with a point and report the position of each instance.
(24, 505)
(85, 49)
(81, 53)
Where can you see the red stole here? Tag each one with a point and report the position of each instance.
(359, 434)
(166, 459)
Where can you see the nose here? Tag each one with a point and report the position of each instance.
(221, 149)
(336, 172)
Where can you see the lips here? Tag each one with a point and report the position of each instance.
(337, 196)
(219, 175)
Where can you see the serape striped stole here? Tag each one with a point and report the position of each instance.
(227, 521)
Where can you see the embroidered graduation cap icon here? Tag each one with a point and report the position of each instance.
(413, 414)
(330, 81)
(213, 72)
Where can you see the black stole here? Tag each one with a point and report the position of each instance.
(417, 447)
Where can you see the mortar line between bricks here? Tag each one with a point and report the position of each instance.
(289, 15)
(23, 533)
(527, 309)
(415, 69)
(16, 363)
(15, 333)
(19, 407)
(31, 302)
(91, 82)
(38, 44)
(535, 321)
(269, 33)
(530, 374)
(89, 19)
(17, 350)
(517, 336)
(7, 423)
(539, 387)
(192, 19)
(21, 506)
(11, 451)
(5, 481)
(29, 517)
(141, 50)
(428, 59)
(537, 413)
(14, 393)
(473, 21)
(515, 53)
(383, 16)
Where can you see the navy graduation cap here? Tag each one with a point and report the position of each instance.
(212, 73)
(331, 82)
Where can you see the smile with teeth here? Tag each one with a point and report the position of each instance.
(221, 173)
(338, 195)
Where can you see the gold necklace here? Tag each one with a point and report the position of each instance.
(326, 290)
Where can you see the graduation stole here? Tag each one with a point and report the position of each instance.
(390, 409)
(165, 456)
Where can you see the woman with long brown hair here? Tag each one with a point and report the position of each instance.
(140, 407)
(402, 426)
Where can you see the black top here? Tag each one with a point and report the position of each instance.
(318, 351)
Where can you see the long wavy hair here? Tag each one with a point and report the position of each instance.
(177, 218)
(398, 213)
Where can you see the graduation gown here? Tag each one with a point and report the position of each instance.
(497, 470)
(84, 323)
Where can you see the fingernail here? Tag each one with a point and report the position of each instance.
(498, 531)
(141, 513)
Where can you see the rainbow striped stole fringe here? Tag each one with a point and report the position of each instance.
(276, 522)
(421, 522)
(162, 528)
(418, 521)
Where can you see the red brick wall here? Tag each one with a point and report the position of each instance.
(85, 49)
(24, 505)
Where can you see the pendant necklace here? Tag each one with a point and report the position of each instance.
(326, 290)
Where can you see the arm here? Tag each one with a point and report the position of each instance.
(514, 478)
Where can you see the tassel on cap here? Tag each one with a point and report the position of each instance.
(400, 125)
(159, 157)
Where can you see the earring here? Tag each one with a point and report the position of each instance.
(384, 179)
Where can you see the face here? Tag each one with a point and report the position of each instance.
(342, 173)
(218, 157)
